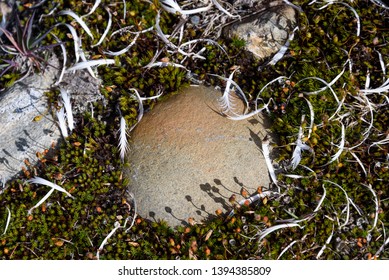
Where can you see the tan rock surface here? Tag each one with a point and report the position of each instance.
(186, 160)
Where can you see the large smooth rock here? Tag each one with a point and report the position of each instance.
(187, 160)
(264, 32)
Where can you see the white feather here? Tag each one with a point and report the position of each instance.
(62, 122)
(68, 107)
(227, 100)
(41, 181)
(90, 63)
(123, 142)
(78, 19)
(300, 146)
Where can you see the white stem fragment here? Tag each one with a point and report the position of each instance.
(321, 200)
(277, 227)
(376, 206)
(280, 54)
(341, 146)
(7, 223)
(327, 242)
(123, 50)
(220, 7)
(266, 154)
(91, 63)
(286, 249)
(117, 226)
(312, 117)
(172, 6)
(76, 40)
(63, 61)
(359, 161)
(78, 19)
(40, 201)
(165, 64)
(106, 30)
(347, 203)
(97, 3)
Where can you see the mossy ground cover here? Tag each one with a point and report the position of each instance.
(333, 205)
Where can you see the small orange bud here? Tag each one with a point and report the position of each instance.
(232, 199)
(59, 243)
(244, 192)
(218, 212)
(191, 221)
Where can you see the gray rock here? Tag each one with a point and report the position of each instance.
(264, 32)
(84, 90)
(26, 124)
(186, 160)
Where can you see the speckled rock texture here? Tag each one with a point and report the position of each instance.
(26, 125)
(186, 160)
(264, 32)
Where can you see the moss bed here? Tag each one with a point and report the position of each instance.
(349, 223)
